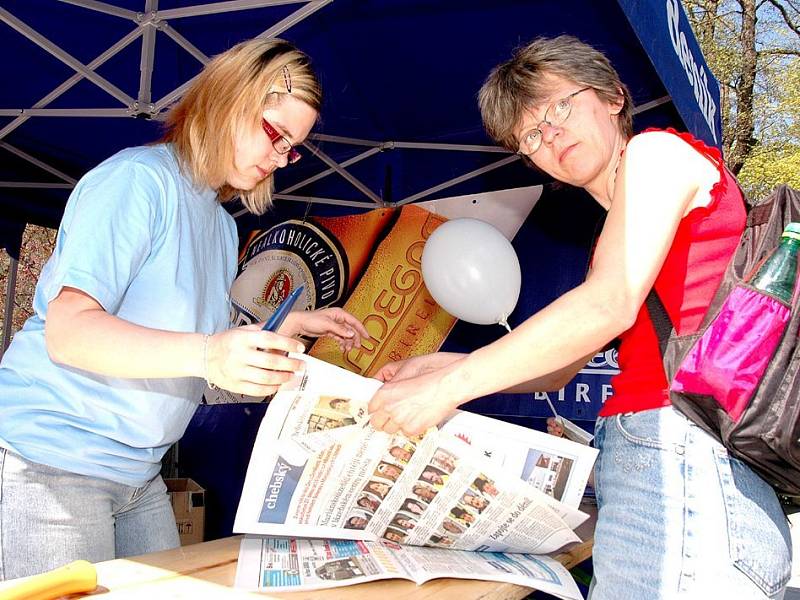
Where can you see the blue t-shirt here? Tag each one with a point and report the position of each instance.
(155, 250)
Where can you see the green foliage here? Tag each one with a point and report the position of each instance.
(770, 165)
(770, 123)
(776, 159)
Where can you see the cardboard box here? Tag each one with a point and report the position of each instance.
(189, 505)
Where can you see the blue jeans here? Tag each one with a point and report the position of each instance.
(679, 518)
(49, 517)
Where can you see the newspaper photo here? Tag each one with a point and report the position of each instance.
(286, 564)
(319, 470)
(556, 466)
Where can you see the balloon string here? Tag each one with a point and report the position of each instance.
(505, 324)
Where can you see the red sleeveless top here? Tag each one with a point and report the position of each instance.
(704, 243)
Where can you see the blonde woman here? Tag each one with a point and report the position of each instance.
(132, 312)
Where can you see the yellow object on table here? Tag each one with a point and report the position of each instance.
(76, 577)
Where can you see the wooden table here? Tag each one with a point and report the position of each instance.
(207, 570)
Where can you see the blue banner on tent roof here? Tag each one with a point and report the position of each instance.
(664, 31)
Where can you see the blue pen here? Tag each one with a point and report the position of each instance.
(285, 307)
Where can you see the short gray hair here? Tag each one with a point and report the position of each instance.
(513, 87)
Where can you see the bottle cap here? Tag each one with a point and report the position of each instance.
(791, 231)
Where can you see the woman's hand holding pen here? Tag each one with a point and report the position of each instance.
(247, 360)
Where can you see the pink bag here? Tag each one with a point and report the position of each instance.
(730, 359)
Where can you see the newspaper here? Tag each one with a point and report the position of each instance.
(319, 470)
(286, 564)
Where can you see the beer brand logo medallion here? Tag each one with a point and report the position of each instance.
(276, 290)
(279, 260)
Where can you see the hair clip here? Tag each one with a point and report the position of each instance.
(287, 79)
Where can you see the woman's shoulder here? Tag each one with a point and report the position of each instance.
(142, 171)
(657, 140)
(157, 159)
(678, 162)
(668, 151)
(674, 144)
(143, 176)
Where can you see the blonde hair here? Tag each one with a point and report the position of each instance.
(518, 84)
(232, 91)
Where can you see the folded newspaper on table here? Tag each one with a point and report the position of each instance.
(319, 470)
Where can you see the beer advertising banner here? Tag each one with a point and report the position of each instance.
(370, 264)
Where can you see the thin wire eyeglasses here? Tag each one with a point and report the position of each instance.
(280, 143)
(532, 140)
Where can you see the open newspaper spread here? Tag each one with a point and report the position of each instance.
(319, 470)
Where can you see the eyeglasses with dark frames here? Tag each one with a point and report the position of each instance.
(279, 142)
(532, 140)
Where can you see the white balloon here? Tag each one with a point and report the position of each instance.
(472, 271)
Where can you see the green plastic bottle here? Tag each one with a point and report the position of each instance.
(778, 274)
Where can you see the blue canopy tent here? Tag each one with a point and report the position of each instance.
(84, 78)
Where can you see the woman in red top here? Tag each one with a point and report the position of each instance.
(678, 517)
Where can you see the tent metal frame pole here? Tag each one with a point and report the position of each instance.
(294, 18)
(74, 79)
(355, 182)
(330, 170)
(103, 8)
(310, 200)
(38, 185)
(422, 194)
(338, 139)
(66, 112)
(381, 146)
(652, 104)
(147, 58)
(213, 8)
(183, 42)
(313, 199)
(8, 313)
(64, 57)
(456, 147)
(147, 25)
(35, 161)
(390, 145)
(455, 180)
(282, 25)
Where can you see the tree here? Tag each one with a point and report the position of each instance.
(752, 48)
